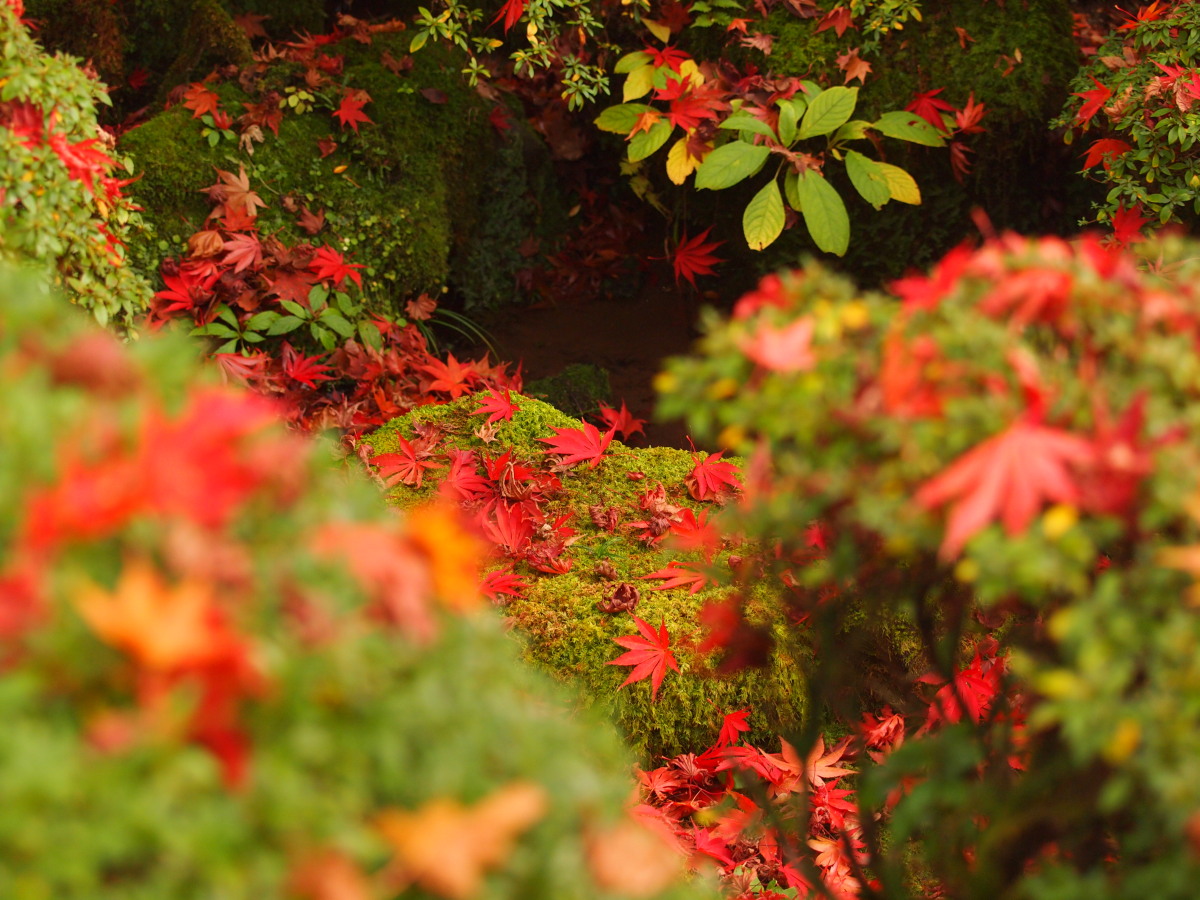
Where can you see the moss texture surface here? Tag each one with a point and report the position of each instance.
(564, 631)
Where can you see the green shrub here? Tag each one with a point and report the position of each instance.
(1006, 456)
(229, 671)
(62, 209)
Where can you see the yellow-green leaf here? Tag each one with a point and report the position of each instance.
(763, 219)
(900, 184)
(639, 83)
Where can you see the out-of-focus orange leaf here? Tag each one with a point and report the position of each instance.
(633, 859)
(447, 847)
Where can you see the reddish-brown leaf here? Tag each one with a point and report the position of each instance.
(200, 100)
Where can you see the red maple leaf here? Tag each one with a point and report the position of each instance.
(1008, 477)
(82, 160)
(350, 111)
(671, 57)
(511, 12)
(328, 263)
(576, 445)
(679, 574)
(407, 466)
(243, 251)
(838, 18)
(929, 107)
(1104, 151)
(233, 192)
(691, 103)
(500, 406)
(501, 583)
(463, 481)
(974, 687)
(200, 100)
(621, 421)
(712, 479)
(304, 369)
(694, 257)
(1094, 100)
(733, 725)
(450, 376)
(507, 526)
(1127, 224)
(650, 655)
(968, 118)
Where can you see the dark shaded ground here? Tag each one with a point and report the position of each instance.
(629, 337)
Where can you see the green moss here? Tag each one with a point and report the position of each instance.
(564, 631)
(578, 389)
(285, 18)
(407, 198)
(209, 39)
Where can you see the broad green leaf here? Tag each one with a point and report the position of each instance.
(824, 213)
(284, 325)
(631, 61)
(264, 319)
(317, 296)
(743, 121)
(854, 130)
(789, 115)
(791, 189)
(338, 323)
(644, 143)
(908, 126)
(729, 164)
(418, 42)
(621, 119)
(638, 84)
(762, 221)
(827, 111)
(294, 308)
(868, 179)
(900, 184)
(369, 332)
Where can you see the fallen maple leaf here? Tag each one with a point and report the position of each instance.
(304, 369)
(650, 655)
(576, 445)
(499, 406)
(407, 466)
(732, 725)
(349, 112)
(200, 100)
(712, 479)
(233, 191)
(621, 421)
(853, 67)
(328, 263)
(694, 257)
(1009, 477)
(244, 251)
(929, 107)
(839, 19)
(446, 847)
(679, 574)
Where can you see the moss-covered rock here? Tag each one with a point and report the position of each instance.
(578, 389)
(210, 38)
(564, 630)
(402, 195)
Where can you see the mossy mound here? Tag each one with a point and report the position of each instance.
(578, 389)
(564, 630)
(402, 195)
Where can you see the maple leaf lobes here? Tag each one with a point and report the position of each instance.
(1008, 477)
(349, 112)
(695, 257)
(576, 445)
(650, 655)
(500, 406)
(1094, 100)
(328, 263)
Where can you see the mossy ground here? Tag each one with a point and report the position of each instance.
(564, 631)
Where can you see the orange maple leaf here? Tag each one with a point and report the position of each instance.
(447, 847)
(1009, 476)
(200, 100)
(163, 628)
(233, 191)
(853, 67)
